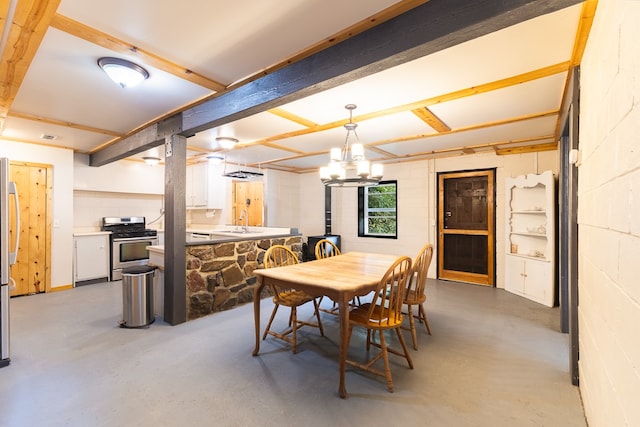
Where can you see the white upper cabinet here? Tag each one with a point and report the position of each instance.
(205, 187)
(530, 237)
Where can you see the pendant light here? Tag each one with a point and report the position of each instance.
(348, 166)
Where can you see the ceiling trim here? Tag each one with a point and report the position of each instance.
(428, 28)
(63, 123)
(114, 44)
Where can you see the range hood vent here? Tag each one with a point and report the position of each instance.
(243, 174)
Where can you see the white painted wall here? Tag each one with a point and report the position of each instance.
(609, 217)
(61, 161)
(281, 199)
(417, 203)
(123, 176)
(122, 188)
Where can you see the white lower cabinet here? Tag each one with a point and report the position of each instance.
(91, 257)
(530, 278)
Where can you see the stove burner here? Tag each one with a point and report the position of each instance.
(127, 227)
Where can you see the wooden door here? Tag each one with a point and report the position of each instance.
(466, 226)
(247, 196)
(32, 271)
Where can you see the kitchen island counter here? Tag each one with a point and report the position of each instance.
(219, 273)
(201, 235)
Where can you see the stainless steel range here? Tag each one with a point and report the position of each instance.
(129, 241)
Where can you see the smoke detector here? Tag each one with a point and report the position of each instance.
(48, 137)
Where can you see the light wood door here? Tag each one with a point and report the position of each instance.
(247, 196)
(32, 271)
(466, 226)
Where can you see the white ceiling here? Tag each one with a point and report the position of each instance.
(65, 94)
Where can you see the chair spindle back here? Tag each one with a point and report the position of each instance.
(325, 248)
(389, 295)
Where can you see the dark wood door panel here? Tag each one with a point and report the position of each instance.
(466, 226)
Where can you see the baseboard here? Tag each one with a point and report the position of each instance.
(61, 288)
(92, 281)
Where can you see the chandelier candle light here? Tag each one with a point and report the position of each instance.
(348, 166)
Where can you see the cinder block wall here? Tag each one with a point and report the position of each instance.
(609, 217)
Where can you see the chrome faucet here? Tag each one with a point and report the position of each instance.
(244, 215)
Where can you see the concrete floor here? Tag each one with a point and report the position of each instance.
(494, 359)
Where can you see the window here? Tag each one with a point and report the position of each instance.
(377, 210)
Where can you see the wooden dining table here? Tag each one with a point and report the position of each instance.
(340, 278)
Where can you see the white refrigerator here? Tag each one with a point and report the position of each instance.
(8, 254)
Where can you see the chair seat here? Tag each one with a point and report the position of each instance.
(414, 298)
(292, 298)
(361, 316)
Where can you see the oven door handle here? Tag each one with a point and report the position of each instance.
(129, 239)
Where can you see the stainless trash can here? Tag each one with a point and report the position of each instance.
(137, 297)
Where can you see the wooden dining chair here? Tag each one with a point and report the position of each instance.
(415, 295)
(278, 256)
(382, 314)
(325, 248)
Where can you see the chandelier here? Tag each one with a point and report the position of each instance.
(348, 167)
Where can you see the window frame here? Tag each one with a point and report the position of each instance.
(362, 216)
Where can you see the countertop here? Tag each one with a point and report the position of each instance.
(90, 233)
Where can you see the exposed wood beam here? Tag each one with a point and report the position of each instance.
(30, 22)
(382, 16)
(431, 119)
(476, 147)
(357, 28)
(428, 28)
(451, 96)
(62, 123)
(112, 43)
(292, 117)
(459, 151)
(527, 149)
(584, 28)
(467, 128)
(43, 144)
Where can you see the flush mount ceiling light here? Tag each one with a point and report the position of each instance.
(226, 142)
(123, 72)
(151, 161)
(216, 160)
(348, 166)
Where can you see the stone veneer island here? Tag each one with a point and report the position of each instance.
(219, 273)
